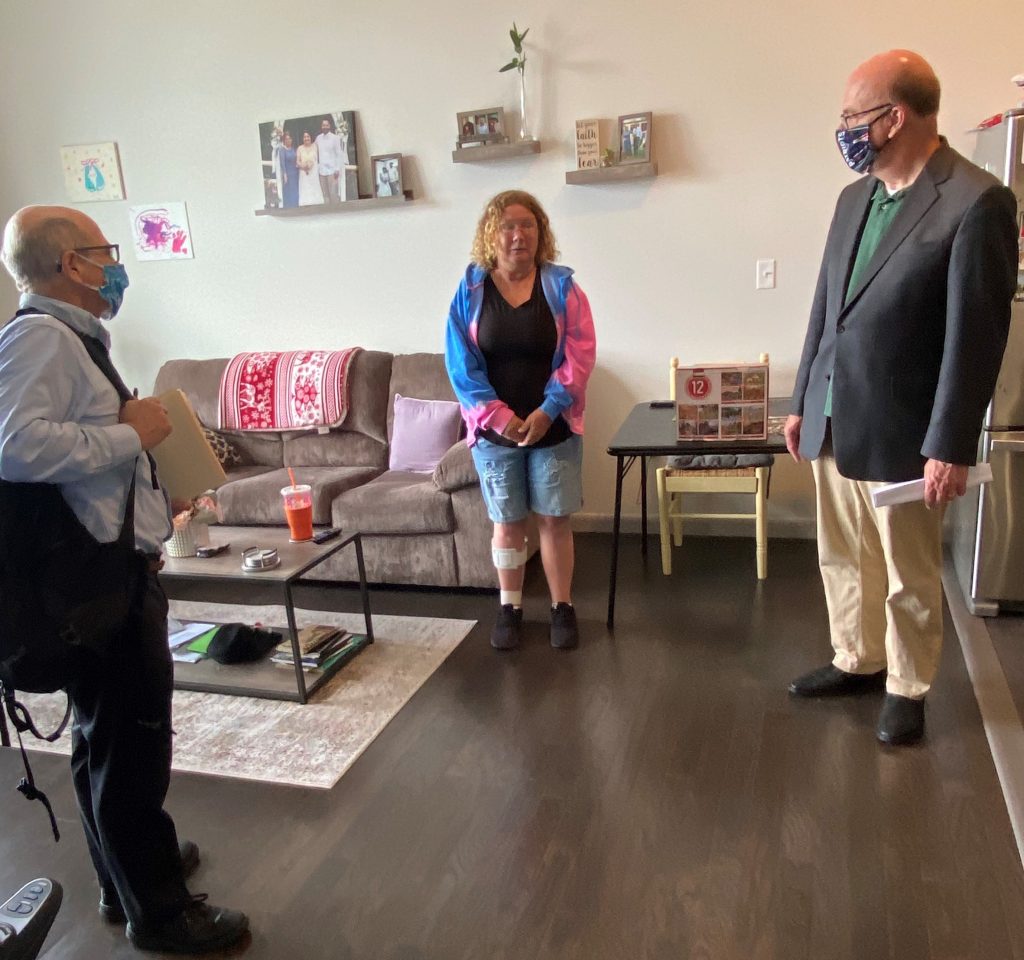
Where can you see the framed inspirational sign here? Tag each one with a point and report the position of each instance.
(722, 401)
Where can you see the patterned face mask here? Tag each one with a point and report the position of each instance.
(855, 144)
(115, 282)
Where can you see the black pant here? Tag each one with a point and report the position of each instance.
(121, 762)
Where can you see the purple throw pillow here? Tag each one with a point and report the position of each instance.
(423, 432)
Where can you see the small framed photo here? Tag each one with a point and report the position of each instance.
(387, 175)
(482, 126)
(635, 138)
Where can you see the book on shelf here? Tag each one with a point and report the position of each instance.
(349, 649)
(326, 647)
(310, 639)
(351, 645)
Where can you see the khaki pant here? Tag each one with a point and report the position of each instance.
(882, 574)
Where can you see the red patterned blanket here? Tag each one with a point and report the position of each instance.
(285, 391)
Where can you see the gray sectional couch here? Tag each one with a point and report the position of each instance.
(418, 528)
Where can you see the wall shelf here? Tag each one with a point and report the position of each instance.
(614, 174)
(495, 151)
(346, 206)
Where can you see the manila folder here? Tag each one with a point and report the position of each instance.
(185, 462)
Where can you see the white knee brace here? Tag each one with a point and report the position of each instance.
(508, 558)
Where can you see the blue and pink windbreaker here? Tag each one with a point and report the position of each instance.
(573, 360)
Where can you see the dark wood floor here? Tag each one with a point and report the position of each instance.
(653, 795)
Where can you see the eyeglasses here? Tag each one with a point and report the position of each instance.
(510, 226)
(845, 118)
(112, 250)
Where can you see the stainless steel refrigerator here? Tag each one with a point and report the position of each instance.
(987, 525)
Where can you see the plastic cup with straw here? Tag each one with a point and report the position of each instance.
(298, 509)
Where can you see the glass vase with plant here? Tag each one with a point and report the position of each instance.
(518, 62)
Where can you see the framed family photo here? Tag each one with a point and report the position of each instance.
(387, 175)
(635, 138)
(309, 161)
(482, 126)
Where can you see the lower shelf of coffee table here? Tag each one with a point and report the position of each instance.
(263, 679)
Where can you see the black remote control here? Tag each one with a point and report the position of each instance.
(324, 535)
(26, 918)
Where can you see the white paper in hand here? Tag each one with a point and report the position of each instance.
(891, 493)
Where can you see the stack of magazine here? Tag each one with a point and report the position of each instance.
(320, 647)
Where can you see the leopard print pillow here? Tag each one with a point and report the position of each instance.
(226, 452)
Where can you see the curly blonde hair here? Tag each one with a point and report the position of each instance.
(485, 247)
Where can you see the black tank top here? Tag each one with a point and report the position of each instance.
(518, 344)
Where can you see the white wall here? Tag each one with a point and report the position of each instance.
(745, 96)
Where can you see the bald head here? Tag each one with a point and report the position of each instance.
(36, 237)
(901, 77)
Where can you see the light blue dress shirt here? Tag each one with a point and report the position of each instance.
(59, 424)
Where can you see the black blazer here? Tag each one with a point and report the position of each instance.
(914, 355)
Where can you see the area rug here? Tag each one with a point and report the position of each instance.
(306, 745)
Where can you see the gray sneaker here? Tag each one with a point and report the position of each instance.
(565, 634)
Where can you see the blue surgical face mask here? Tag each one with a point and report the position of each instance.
(115, 282)
(856, 147)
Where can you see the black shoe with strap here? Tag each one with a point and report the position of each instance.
(830, 681)
(110, 903)
(199, 928)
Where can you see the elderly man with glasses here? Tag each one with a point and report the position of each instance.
(69, 425)
(906, 335)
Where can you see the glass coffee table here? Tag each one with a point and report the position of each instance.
(262, 679)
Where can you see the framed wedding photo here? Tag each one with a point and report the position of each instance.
(387, 175)
(635, 138)
(482, 126)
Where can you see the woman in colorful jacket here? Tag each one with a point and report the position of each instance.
(519, 350)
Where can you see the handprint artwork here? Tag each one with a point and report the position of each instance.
(160, 232)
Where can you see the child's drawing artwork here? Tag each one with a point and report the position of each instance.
(160, 232)
(92, 171)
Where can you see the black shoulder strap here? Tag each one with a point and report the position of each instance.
(99, 355)
(96, 349)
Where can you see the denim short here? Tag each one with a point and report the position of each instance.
(516, 480)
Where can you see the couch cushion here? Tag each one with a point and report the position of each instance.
(257, 499)
(719, 461)
(369, 398)
(199, 380)
(395, 502)
(330, 449)
(419, 375)
(225, 451)
(423, 431)
(456, 469)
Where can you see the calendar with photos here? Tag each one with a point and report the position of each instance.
(722, 402)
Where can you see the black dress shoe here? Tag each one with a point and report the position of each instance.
(199, 928)
(901, 720)
(110, 904)
(830, 681)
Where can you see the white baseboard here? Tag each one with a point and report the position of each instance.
(785, 528)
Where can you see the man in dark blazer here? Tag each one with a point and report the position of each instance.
(906, 335)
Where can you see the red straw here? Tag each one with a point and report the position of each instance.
(291, 476)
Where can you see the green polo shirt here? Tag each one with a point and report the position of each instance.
(883, 211)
